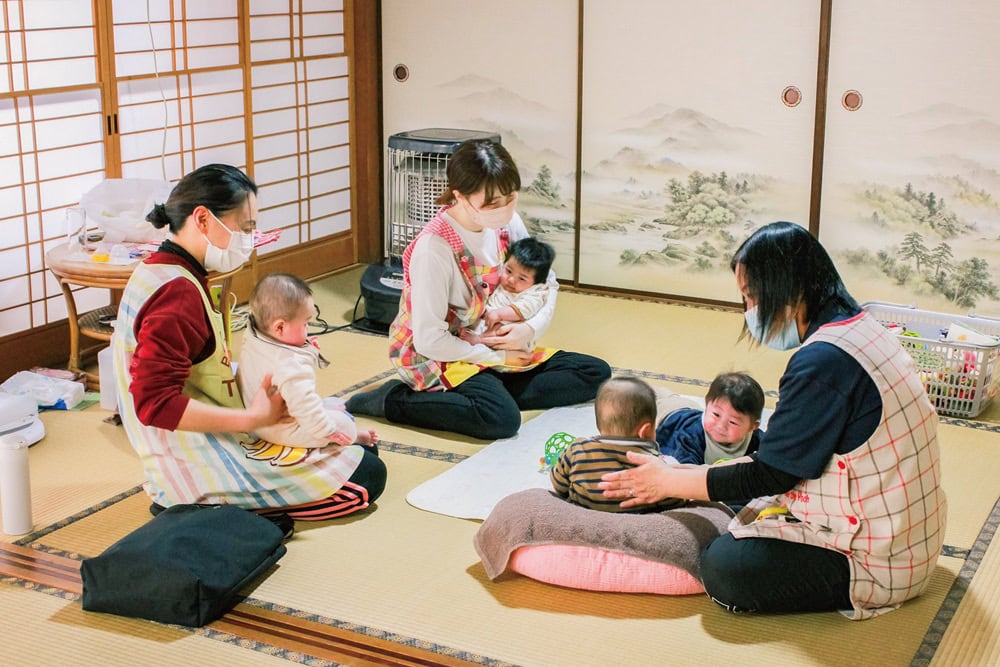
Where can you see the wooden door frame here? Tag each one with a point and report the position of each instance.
(365, 32)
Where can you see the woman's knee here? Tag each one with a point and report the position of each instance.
(498, 425)
(720, 574)
(377, 476)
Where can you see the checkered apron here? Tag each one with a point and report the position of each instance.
(881, 505)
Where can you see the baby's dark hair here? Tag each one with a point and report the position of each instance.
(533, 254)
(623, 404)
(218, 187)
(278, 296)
(479, 164)
(742, 392)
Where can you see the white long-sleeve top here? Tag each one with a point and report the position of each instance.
(293, 373)
(436, 281)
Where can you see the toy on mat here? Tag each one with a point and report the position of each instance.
(554, 446)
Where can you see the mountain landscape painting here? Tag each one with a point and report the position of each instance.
(922, 228)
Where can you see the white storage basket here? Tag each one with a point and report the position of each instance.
(961, 379)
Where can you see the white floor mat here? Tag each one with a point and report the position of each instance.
(470, 489)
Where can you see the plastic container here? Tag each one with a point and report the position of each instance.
(109, 386)
(961, 379)
(15, 485)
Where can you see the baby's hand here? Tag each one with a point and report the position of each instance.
(492, 318)
(469, 337)
(369, 437)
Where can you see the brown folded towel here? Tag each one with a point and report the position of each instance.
(536, 516)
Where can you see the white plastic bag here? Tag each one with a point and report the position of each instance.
(48, 392)
(119, 206)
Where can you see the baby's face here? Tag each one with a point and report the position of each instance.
(295, 332)
(516, 278)
(724, 424)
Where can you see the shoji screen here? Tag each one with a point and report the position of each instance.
(300, 112)
(180, 86)
(51, 147)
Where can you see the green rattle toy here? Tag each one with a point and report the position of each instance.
(554, 446)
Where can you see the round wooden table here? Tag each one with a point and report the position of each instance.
(81, 271)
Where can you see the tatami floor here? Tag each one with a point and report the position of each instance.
(397, 576)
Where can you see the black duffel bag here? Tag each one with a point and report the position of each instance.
(186, 566)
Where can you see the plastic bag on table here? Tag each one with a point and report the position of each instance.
(119, 206)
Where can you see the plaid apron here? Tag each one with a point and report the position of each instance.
(881, 505)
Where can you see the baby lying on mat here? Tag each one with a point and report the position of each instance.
(626, 417)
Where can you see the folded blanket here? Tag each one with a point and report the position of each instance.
(536, 516)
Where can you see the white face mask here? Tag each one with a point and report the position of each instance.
(235, 254)
(785, 339)
(492, 218)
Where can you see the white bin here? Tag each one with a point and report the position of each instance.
(106, 370)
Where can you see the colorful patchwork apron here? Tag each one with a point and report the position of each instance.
(424, 374)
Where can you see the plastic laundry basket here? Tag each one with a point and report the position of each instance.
(961, 379)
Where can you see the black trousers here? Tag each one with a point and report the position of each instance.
(488, 405)
(757, 574)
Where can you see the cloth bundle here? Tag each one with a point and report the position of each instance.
(186, 566)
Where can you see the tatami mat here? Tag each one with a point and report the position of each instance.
(80, 462)
(414, 577)
(44, 629)
(973, 630)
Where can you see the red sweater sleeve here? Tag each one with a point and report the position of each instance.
(172, 333)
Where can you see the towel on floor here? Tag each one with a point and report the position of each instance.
(536, 516)
(470, 489)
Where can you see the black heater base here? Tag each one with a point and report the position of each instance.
(381, 287)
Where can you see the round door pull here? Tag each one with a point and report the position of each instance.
(791, 96)
(851, 100)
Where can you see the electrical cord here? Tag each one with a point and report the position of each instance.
(324, 326)
(163, 97)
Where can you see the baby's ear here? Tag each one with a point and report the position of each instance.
(647, 431)
(277, 327)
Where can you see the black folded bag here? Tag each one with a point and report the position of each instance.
(186, 566)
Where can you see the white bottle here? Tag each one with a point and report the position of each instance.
(109, 385)
(15, 485)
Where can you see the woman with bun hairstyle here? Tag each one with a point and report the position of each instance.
(178, 398)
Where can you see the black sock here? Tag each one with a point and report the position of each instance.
(372, 402)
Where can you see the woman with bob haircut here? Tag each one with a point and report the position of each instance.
(449, 271)
(849, 513)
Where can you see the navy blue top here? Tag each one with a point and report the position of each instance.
(827, 404)
(682, 435)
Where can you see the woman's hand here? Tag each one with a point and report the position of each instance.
(517, 358)
(511, 336)
(646, 484)
(268, 407)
